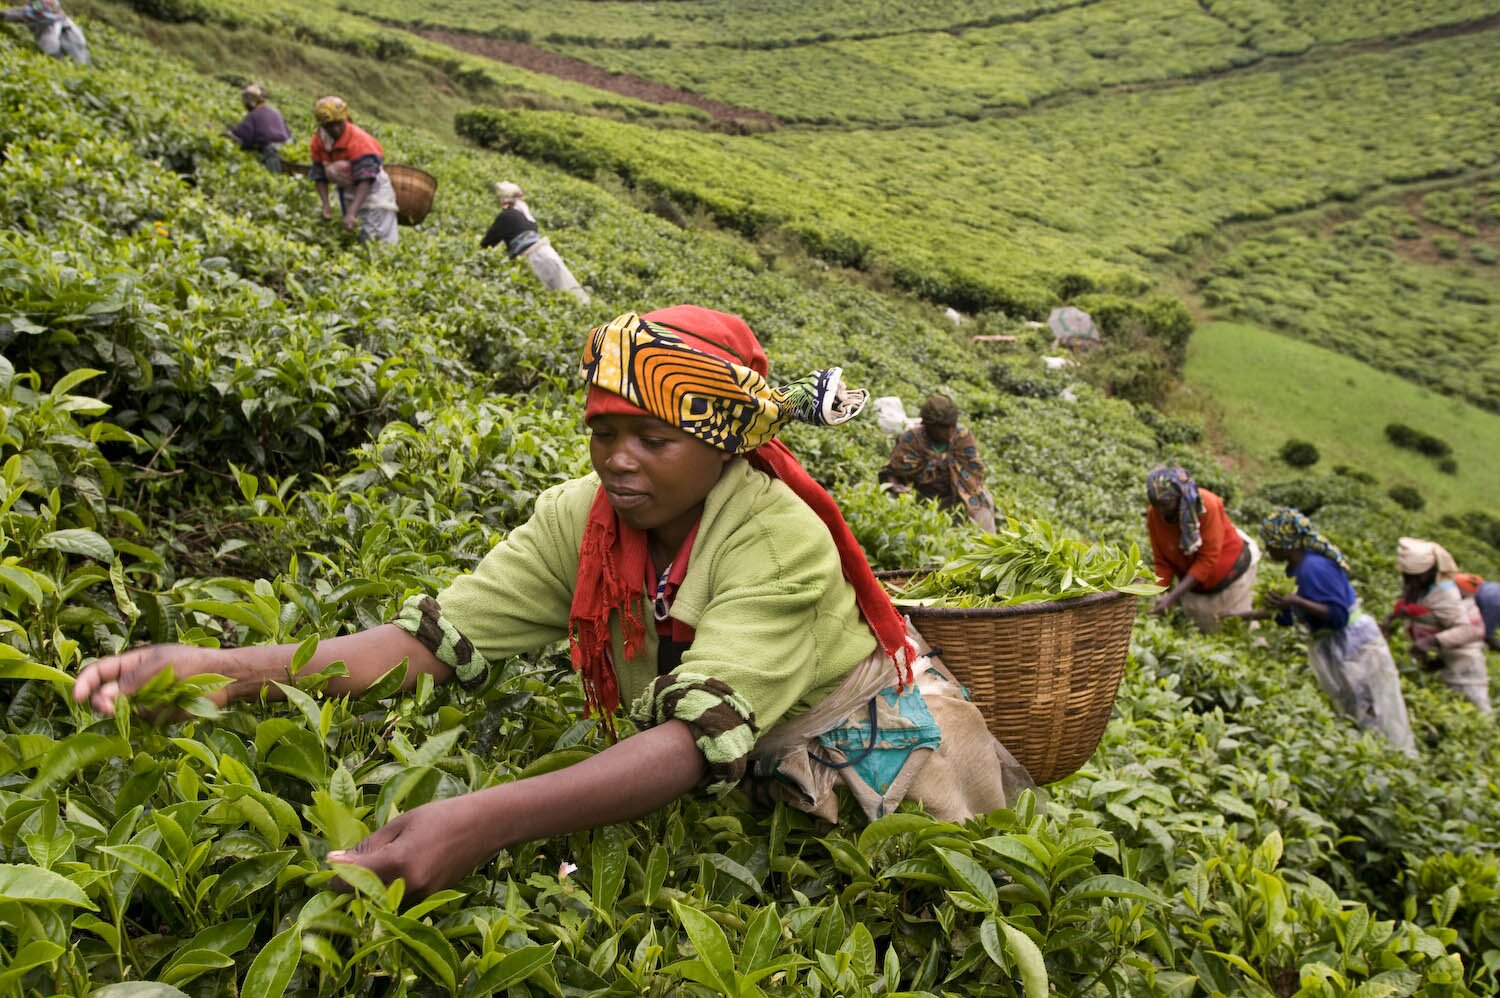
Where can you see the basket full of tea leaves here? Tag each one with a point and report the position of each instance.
(1037, 625)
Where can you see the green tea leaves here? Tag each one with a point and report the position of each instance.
(1026, 562)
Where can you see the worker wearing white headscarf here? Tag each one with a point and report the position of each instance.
(516, 228)
(1440, 618)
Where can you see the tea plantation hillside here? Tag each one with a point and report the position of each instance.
(1083, 151)
(221, 424)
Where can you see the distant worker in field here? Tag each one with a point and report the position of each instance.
(1206, 564)
(516, 228)
(1350, 658)
(1441, 621)
(262, 130)
(54, 31)
(1486, 596)
(939, 459)
(352, 160)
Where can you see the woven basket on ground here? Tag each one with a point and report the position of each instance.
(414, 190)
(1044, 675)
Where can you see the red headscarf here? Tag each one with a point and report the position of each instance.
(613, 558)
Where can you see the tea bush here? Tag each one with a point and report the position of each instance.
(1424, 443)
(1406, 496)
(1299, 453)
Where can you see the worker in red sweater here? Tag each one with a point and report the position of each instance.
(1207, 564)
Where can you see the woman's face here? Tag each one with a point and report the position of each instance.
(654, 475)
(1286, 556)
(1165, 507)
(938, 433)
(334, 128)
(1416, 585)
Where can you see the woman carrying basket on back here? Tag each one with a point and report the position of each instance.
(700, 576)
(352, 160)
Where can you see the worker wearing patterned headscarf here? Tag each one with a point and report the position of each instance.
(1348, 653)
(1289, 530)
(353, 161)
(699, 575)
(1207, 565)
(54, 31)
(939, 459)
(1441, 618)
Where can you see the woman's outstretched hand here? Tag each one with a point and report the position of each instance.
(103, 681)
(431, 848)
(435, 845)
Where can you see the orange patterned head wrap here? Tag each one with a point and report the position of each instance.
(705, 372)
(700, 390)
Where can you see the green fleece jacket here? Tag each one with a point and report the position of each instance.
(776, 627)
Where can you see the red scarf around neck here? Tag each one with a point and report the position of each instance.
(613, 566)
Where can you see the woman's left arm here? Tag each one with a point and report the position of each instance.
(1314, 611)
(437, 844)
(362, 191)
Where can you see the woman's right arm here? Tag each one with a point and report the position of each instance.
(495, 235)
(367, 655)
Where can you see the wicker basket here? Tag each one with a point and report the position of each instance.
(1044, 675)
(292, 169)
(414, 190)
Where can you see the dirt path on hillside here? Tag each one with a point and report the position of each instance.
(539, 60)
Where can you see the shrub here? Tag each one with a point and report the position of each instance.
(1311, 493)
(392, 47)
(1165, 320)
(1448, 466)
(1478, 524)
(1413, 439)
(1170, 430)
(1013, 380)
(175, 11)
(1357, 474)
(1408, 497)
(1299, 453)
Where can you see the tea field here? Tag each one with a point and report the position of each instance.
(671, 33)
(222, 424)
(1412, 292)
(1018, 212)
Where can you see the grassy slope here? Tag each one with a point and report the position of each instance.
(1262, 388)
